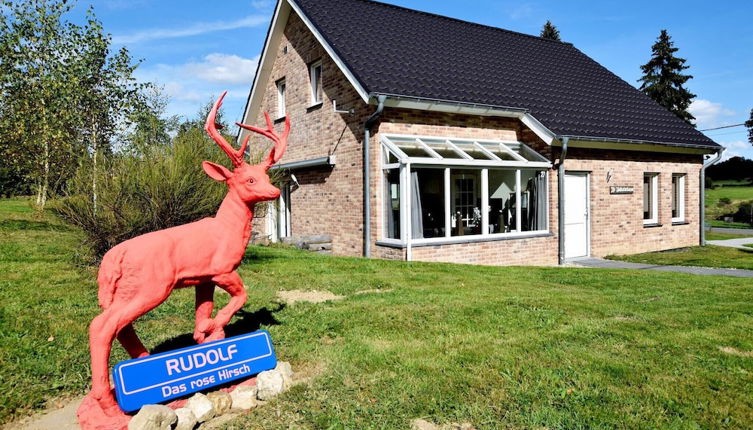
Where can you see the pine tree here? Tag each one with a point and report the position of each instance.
(749, 124)
(549, 31)
(663, 80)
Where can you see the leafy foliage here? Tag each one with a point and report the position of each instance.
(749, 125)
(734, 168)
(664, 81)
(549, 31)
(164, 186)
(62, 95)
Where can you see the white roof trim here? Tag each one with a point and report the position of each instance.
(264, 69)
(538, 128)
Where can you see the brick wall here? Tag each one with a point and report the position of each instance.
(329, 200)
(617, 219)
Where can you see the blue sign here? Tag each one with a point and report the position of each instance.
(162, 377)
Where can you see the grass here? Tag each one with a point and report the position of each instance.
(737, 194)
(498, 347)
(749, 245)
(704, 256)
(711, 235)
(733, 193)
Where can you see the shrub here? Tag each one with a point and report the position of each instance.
(725, 201)
(162, 187)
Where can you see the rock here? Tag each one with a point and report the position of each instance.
(419, 424)
(221, 401)
(244, 397)
(186, 419)
(201, 406)
(287, 373)
(269, 384)
(153, 417)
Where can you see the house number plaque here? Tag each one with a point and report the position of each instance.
(620, 189)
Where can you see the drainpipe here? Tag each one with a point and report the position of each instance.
(367, 176)
(711, 161)
(561, 200)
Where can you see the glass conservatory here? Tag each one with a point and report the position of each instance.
(448, 190)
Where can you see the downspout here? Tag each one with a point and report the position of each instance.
(367, 176)
(561, 200)
(702, 208)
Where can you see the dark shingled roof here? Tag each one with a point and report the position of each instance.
(393, 50)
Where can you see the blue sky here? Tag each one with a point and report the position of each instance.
(197, 49)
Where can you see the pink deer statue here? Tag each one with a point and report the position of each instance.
(139, 274)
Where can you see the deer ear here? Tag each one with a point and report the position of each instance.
(216, 172)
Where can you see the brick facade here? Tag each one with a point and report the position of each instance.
(329, 200)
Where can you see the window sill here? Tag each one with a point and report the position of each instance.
(651, 225)
(314, 106)
(680, 222)
(461, 239)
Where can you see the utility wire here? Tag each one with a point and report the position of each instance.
(724, 126)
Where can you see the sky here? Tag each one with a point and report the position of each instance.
(197, 49)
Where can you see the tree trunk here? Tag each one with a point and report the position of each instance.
(95, 151)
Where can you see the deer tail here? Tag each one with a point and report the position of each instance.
(108, 276)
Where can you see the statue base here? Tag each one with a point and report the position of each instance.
(92, 417)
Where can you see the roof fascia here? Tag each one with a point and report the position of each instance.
(266, 62)
(331, 52)
(447, 106)
(625, 145)
(264, 68)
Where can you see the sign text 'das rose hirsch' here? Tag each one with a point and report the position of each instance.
(162, 377)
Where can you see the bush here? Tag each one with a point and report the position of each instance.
(163, 187)
(725, 201)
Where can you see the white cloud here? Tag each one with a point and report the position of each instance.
(223, 68)
(737, 148)
(261, 4)
(709, 114)
(191, 30)
(192, 84)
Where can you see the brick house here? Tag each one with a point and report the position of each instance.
(421, 137)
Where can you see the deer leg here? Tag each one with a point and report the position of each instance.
(204, 306)
(232, 283)
(102, 332)
(131, 342)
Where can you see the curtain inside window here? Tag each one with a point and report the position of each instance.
(537, 201)
(417, 219)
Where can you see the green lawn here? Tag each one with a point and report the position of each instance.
(707, 256)
(749, 245)
(711, 235)
(731, 192)
(498, 347)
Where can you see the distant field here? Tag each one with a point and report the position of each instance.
(731, 192)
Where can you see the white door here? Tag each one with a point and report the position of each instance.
(278, 216)
(576, 215)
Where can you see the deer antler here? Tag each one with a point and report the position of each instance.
(281, 141)
(236, 157)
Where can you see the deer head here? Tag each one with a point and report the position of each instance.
(250, 182)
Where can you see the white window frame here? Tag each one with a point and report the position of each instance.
(281, 90)
(653, 186)
(680, 178)
(434, 160)
(314, 79)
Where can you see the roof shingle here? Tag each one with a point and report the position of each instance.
(393, 50)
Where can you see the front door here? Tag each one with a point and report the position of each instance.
(577, 228)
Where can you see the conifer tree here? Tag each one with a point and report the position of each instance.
(549, 31)
(664, 81)
(749, 124)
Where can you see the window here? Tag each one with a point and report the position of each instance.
(315, 73)
(678, 198)
(459, 189)
(650, 198)
(281, 112)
